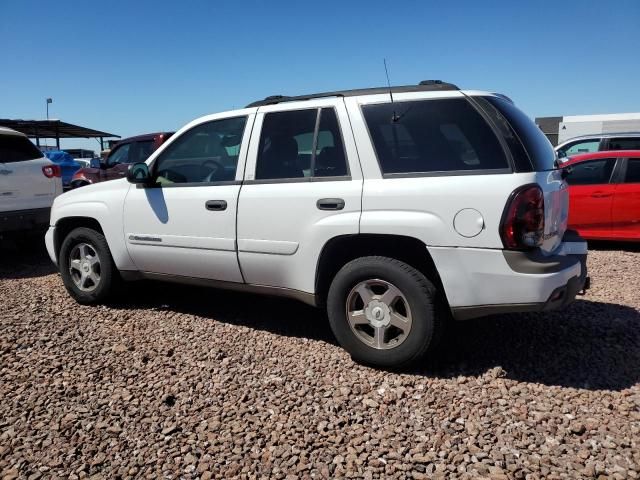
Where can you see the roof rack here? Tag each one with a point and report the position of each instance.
(423, 86)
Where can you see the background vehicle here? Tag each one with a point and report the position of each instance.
(29, 182)
(395, 214)
(125, 152)
(68, 165)
(82, 156)
(604, 190)
(597, 143)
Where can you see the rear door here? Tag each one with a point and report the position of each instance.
(626, 203)
(302, 187)
(23, 185)
(591, 197)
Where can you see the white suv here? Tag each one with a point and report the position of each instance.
(28, 184)
(396, 210)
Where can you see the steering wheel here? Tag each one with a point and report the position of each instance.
(217, 166)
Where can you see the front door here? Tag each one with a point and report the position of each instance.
(186, 225)
(591, 197)
(303, 186)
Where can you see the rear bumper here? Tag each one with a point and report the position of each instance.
(24, 220)
(481, 282)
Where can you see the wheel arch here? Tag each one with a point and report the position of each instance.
(65, 225)
(342, 249)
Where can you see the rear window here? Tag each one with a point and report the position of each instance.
(432, 136)
(16, 148)
(535, 142)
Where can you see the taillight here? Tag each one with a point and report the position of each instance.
(523, 220)
(51, 171)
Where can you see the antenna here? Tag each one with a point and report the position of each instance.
(395, 117)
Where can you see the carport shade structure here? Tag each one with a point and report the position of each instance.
(55, 129)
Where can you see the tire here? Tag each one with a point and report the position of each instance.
(373, 338)
(85, 244)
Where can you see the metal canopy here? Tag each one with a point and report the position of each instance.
(53, 129)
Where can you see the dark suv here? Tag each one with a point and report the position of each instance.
(127, 151)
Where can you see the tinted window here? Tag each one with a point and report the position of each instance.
(201, 155)
(16, 148)
(432, 136)
(592, 172)
(330, 159)
(535, 142)
(143, 150)
(624, 143)
(582, 146)
(289, 147)
(120, 155)
(521, 160)
(633, 171)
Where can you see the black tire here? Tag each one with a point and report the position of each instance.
(420, 295)
(109, 277)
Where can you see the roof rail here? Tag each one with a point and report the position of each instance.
(423, 86)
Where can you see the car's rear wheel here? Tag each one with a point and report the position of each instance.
(86, 266)
(383, 312)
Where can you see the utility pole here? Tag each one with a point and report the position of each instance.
(49, 100)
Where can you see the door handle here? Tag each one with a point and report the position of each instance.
(216, 205)
(330, 204)
(601, 195)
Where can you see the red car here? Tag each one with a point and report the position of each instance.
(127, 151)
(604, 192)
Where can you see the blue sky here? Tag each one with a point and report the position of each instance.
(131, 67)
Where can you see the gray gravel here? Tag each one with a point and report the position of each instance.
(185, 382)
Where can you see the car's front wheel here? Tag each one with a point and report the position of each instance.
(383, 312)
(86, 266)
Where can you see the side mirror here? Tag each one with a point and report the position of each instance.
(562, 154)
(139, 173)
(566, 171)
(94, 163)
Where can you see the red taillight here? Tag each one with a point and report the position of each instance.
(51, 171)
(523, 219)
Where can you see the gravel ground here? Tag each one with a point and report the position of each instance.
(185, 382)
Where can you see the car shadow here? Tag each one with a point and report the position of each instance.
(24, 257)
(613, 245)
(590, 345)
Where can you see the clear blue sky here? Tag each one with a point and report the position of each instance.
(131, 67)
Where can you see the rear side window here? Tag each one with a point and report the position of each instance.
(633, 171)
(16, 148)
(624, 143)
(301, 144)
(432, 136)
(592, 172)
(535, 142)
